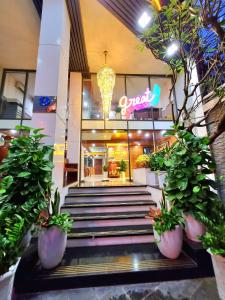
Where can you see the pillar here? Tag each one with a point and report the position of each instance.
(52, 78)
(74, 118)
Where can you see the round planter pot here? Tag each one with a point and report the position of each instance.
(51, 246)
(161, 178)
(105, 175)
(193, 228)
(123, 175)
(219, 270)
(6, 282)
(170, 242)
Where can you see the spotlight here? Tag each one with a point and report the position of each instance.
(130, 134)
(114, 131)
(139, 131)
(146, 134)
(85, 104)
(172, 49)
(144, 20)
(93, 145)
(93, 131)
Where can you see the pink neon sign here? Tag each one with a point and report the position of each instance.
(128, 105)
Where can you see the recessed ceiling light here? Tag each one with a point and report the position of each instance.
(172, 49)
(144, 20)
(146, 134)
(93, 131)
(163, 132)
(13, 131)
(138, 144)
(93, 145)
(139, 131)
(85, 104)
(130, 134)
(114, 131)
(98, 116)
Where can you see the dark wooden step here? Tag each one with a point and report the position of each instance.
(108, 203)
(106, 216)
(111, 194)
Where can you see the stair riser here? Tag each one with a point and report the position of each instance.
(107, 223)
(98, 210)
(106, 241)
(106, 198)
(108, 189)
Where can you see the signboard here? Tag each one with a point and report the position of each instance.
(44, 104)
(148, 99)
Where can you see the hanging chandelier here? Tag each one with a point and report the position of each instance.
(106, 81)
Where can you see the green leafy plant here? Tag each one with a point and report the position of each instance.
(118, 109)
(123, 166)
(12, 230)
(188, 186)
(157, 160)
(26, 174)
(214, 239)
(165, 219)
(143, 161)
(53, 217)
(105, 168)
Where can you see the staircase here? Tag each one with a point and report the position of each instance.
(111, 242)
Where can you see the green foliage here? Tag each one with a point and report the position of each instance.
(188, 186)
(214, 239)
(12, 230)
(62, 220)
(118, 109)
(25, 189)
(157, 160)
(166, 219)
(55, 205)
(123, 166)
(105, 168)
(143, 161)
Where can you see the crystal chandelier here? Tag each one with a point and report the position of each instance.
(106, 81)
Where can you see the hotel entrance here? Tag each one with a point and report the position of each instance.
(105, 156)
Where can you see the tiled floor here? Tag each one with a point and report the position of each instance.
(195, 289)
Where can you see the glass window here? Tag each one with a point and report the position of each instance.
(162, 109)
(13, 95)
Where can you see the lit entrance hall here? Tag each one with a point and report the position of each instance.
(112, 149)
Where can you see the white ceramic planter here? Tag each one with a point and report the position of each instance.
(170, 242)
(219, 269)
(193, 228)
(6, 282)
(105, 175)
(161, 178)
(123, 175)
(140, 175)
(51, 246)
(152, 178)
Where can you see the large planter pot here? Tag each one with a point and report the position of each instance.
(105, 175)
(152, 178)
(193, 228)
(161, 178)
(26, 239)
(6, 282)
(219, 270)
(170, 242)
(51, 246)
(140, 175)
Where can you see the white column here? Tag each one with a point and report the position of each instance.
(52, 78)
(74, 120)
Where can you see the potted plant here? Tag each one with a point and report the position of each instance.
(12, 230)
(53, 234)
(168, 231)
(157, 165)
(105, 171)
(118, 112)
(140, 173)
(188, 186)
(123, 168)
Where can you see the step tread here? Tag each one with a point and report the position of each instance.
(108, 186)
(111, 203)
(124, 232)
(131, 193)
(111, 228)
(114, 215)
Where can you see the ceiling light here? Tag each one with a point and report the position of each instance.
(163, 132)
(114, 131)
(130, 134)
(98, 116)
(93, 145)
(138, 144)
(139, 131)
(93, 131)
(13, 131)
(85, 104)
(144, 20)
(172, 49)
(146, 134)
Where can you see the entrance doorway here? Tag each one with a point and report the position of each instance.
(105, 156)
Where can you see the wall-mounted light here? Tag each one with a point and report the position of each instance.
(144, 20)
